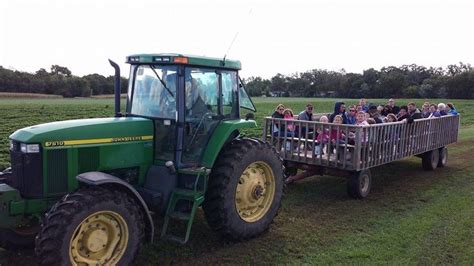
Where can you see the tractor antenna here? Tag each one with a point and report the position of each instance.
(230, 46)
(233, 40)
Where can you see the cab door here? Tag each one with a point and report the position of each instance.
(210, 97)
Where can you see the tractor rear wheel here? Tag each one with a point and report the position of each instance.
(430, 160)
(92, 226)
(245, 189)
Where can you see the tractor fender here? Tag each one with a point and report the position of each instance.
(99, 178)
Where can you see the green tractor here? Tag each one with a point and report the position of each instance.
(86, 191)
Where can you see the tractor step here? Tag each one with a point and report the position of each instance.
(175, 239)
(188, 193)
(184, 216)
(191, 199)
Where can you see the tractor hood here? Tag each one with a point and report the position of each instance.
(86, 131)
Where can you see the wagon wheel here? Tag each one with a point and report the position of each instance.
(430, 160)
(358, 185)
(443, 157)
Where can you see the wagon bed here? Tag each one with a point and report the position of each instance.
(370, 146)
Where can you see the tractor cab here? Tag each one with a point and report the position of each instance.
(186, 97)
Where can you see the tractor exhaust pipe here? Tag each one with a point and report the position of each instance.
(116, 88)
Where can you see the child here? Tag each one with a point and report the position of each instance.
(338, 138)
(367, 115)
(361, 119)
(288, 115)
(391, 118)
(323, 119)
(322, 136)
(337, 135)
(371, 121)
(290, 128)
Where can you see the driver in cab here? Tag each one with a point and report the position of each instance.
(195, 101)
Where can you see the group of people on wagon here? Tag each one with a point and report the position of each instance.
(365, 114)
(327, 136)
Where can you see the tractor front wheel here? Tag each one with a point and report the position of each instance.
(245, 189)
(92, 226)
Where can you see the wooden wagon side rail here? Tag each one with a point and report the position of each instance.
(355, 148)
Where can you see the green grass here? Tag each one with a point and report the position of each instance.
(410, 217)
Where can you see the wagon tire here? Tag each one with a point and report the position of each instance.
(245, 189)
(430, 160)
(95, 225)
(359, 184)
(443, 157)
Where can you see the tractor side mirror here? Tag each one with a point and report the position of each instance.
(249, 116)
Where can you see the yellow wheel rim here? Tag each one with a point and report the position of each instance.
(100, 239)
(255, 191)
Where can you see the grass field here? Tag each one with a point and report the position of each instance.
(411, 216)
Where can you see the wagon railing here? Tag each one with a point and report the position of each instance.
(351, 147)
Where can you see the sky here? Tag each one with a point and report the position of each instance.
(270, 36)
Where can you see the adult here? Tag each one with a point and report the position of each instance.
(279, 111)
(374, 114)
(381, 111)
(442, 109)
(403, 113)
(425, 110)
(339, 109)
(363, 103)
(352, 115)
(451, 109)
(307, 113)
(434, 111)
(413, 112)
(392, 108)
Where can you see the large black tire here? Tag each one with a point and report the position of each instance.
(72, 217)
(239, 165)
(359, 184)
(430, 160)
(443, 157)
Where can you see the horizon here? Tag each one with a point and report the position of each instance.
(284, 74)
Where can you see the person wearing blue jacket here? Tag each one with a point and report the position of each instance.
(452, 110)
(339, 109)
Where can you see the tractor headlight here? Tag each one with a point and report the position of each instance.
(11, 144)
(30, 148)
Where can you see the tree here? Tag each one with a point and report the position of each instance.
(59, 70)
(256, 86)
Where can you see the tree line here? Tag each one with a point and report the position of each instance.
(407, 81)
(59, 80)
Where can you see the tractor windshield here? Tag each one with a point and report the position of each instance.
(154, 91)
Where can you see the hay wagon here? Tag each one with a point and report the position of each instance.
(353, 150)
